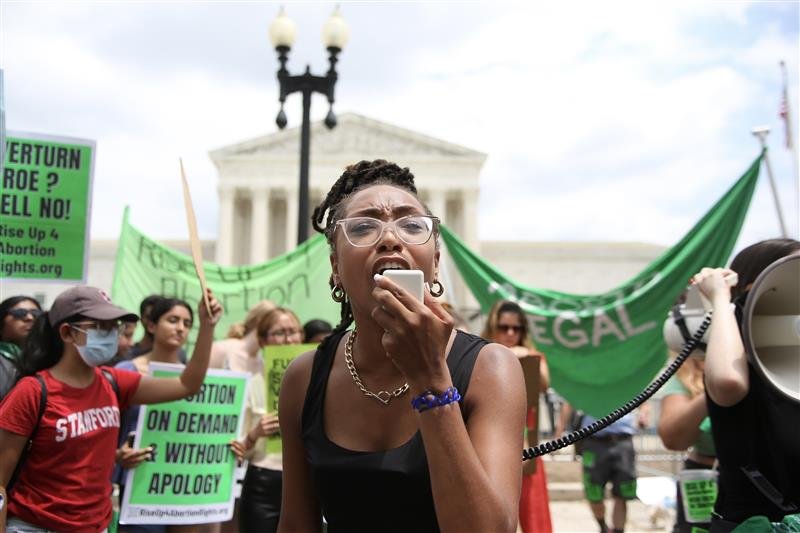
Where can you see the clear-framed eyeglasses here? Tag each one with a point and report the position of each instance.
(104, 326)
(285, 334)
(366, 231)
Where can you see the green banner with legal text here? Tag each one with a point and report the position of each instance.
(190, 477)
(297, 280)
(602, 349)
(45, 199)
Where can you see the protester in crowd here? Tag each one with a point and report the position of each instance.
(64, 482)
(315, 331)
(125, 343)
(260, 505)
(684, 425)
(169, 324)
(241, 351)
(609, 457)
(353, 448)
(753, 424)
(507, 325)
(17, 314)
(145, 344)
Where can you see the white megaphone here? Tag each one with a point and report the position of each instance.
(684, 320)
(771, 326)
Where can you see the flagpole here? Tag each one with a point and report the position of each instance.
(761, 133)
(791, 143)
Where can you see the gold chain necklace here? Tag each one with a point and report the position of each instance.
(382, 396)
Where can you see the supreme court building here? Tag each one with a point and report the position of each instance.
(258, 202)
(258, 181)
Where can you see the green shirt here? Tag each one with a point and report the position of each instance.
(10, 351)
(704, 445)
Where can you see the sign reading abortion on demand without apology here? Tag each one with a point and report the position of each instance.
(45, 198)
(190, 477)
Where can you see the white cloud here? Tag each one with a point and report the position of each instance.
(612, 112)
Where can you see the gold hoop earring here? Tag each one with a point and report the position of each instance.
(436, 288)
(337, 294)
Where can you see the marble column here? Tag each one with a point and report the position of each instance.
(437, 204)
(292, 207)
(224, 251)
(259, 225)
(469, 208)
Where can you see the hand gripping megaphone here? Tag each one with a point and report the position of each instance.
(771, 326)
(684, 319)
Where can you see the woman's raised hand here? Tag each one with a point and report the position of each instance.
(415, 334)
(715, 283)
(216, 310)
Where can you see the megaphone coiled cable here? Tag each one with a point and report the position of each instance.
(616, 414)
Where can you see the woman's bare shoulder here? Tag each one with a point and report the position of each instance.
(495, 366)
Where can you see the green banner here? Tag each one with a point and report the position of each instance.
(603, 349)
(190, 478)
(45, 201)
(297, 280)
(276, 360)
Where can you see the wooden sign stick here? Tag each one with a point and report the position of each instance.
(194, 239)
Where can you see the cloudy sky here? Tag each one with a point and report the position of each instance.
(604, 121)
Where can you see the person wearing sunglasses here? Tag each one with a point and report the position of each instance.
(508, 325)
(17, 314)
(397, 422)
(64, 481)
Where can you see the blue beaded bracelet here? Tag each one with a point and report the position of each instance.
(429, 399)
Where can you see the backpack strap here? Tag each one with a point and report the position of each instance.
(42, 405)
(112, 380)
(27, 448)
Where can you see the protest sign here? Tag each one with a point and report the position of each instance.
(276, 360)
(603, 349)
(297, 280)
(45, 206)
(190, 478)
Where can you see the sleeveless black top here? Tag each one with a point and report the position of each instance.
(375, 491)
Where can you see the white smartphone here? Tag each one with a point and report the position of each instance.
(410, 280)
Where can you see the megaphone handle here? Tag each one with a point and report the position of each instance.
(731, 279)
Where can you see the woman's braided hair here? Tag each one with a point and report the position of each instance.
(354, 179)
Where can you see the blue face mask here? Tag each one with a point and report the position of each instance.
(101, 346)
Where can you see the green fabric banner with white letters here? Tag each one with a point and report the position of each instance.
(297, 280)
(603, 349)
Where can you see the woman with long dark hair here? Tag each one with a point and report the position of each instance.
(507, 324)
(17, 314)
(64, 483)
(754, 426)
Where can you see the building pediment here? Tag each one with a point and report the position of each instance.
(354, 134)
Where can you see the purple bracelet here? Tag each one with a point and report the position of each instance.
(429, 399)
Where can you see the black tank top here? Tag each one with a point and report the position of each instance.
(375, 491)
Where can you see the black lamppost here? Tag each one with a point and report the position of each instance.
(334, 36)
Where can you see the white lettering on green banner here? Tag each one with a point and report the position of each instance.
(603, 349)
(297, 280)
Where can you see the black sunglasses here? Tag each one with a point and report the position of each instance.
(504, 327)
(22, 314)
